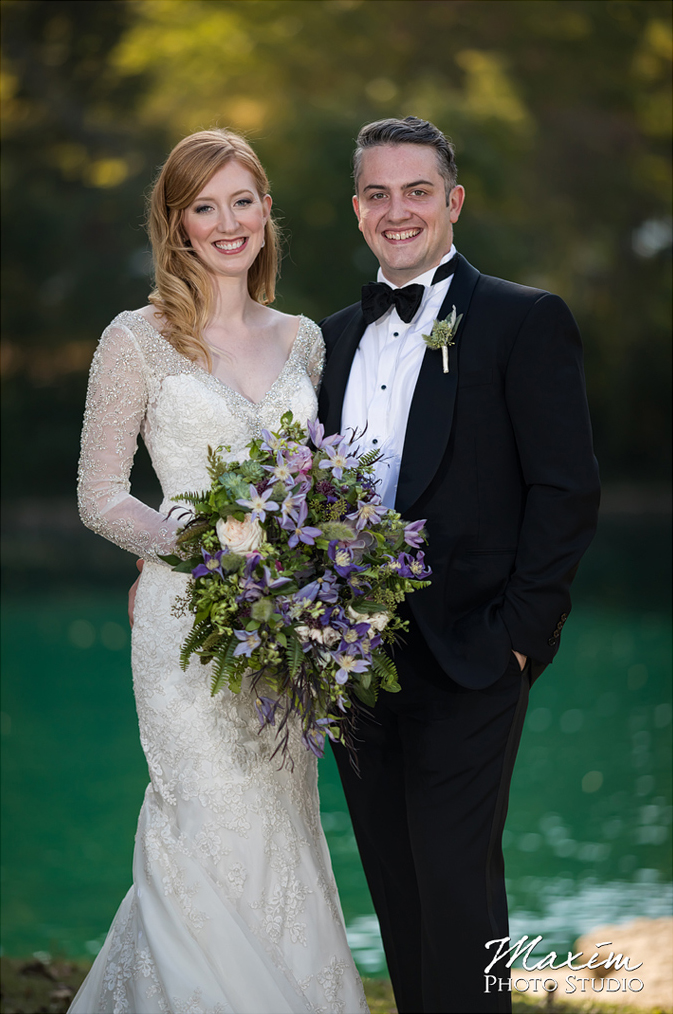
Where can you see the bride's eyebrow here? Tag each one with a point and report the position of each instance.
(236, 193)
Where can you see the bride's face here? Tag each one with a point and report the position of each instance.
(225, 223)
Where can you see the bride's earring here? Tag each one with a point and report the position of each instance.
(263, 242)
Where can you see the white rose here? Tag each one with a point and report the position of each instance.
(378, 620)
(303, 633)
(330, 637)
(239, 536)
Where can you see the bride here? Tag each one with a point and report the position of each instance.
(233, 905)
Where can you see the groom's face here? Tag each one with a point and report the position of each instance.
(402, 209)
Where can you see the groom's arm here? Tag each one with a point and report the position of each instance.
(546, 399)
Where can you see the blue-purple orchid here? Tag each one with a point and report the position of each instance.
(367, 514)
(316, 432)
(271, 442)
(323, 587)
(290, 507)
(212, 564)
(249, 639)
(281, 470)
(338, 458)
(342, 558)
(252, 588)
(259, 503)
(315, 741)
(266, 710)
(300, 532)
(348, 663)
(412, 534)
(417, 567)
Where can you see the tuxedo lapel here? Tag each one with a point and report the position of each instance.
(336, 375)
(432, 406)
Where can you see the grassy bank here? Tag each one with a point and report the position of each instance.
(33, 986)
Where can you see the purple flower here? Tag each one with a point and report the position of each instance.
(290, 507)
(352, 637)
(270, 442)
(251, 561)
(281, 470)
(367, 514)
(266, 710)
(316, 432)
(259, 503)
(399, 566)
(315, 741)
(252, 588)
(417, 566)
(249, 639)
(301, 459)
(300, 533)
(322, 588)
(337, 459)
(342, 558)
(348, 663)
(275, 582)
(212, 564)
(412, 534)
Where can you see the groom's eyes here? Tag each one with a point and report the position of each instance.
(416, 192)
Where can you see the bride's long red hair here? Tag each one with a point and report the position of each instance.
(183, 291)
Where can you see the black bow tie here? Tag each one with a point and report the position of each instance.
(377, 297)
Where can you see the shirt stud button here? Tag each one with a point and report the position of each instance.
(396, 334)
(383, 387)
(375, 441)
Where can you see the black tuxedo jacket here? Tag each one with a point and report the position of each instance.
(498, 457)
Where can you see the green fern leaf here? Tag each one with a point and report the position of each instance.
(194, 640)
(294, 655)
(222, 669)
(386, 670)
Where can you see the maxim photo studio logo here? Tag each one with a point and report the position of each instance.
(507, 953)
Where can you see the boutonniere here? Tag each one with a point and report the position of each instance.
(443, 334)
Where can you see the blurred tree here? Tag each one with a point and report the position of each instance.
(560, 111)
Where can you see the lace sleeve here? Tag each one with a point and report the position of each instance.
(115, 408)
(316, 361)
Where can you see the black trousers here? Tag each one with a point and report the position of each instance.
(428, 810)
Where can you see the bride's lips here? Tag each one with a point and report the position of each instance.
(231, 246)
(400, 236)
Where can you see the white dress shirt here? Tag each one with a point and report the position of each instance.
(383, 378)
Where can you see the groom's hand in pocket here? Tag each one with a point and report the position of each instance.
(133, 589)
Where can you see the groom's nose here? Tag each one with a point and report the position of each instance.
(398, 209)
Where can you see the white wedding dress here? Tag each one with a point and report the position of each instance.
(233, 905)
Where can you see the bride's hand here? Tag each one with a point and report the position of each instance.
(133, 589)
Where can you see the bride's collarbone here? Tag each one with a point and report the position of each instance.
(250, 367)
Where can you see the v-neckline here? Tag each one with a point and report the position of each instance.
(221, 383)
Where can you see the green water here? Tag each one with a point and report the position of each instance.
(589, 829)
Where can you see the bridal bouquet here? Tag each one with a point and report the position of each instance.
(296, 573)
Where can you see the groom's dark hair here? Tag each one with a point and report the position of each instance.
(410, 130)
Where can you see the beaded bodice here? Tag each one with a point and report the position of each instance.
(139, 383)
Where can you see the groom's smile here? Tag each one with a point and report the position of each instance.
(403, 209)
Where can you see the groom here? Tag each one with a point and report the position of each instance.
(496, 453)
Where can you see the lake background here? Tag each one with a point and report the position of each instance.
(560, 115)
(588, 836)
